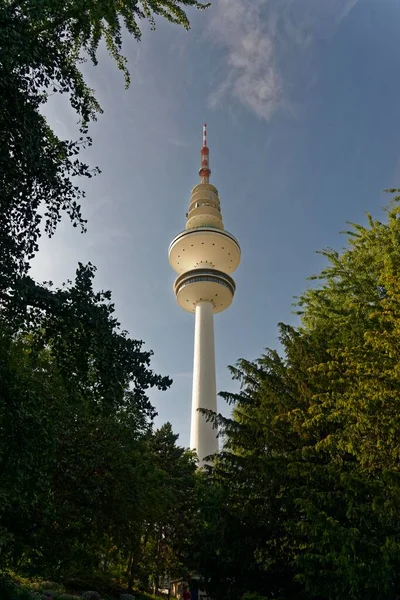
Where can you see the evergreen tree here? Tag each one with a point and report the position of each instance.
(309, 477)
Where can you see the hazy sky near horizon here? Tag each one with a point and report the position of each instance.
(301, 98)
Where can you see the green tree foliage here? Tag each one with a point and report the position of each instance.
(86, 487)
(42, 45)
(308, 489)
(30, 409)
(74, 416)
(79, 462)
(168, 525)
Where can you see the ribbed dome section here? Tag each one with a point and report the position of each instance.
(204, 208)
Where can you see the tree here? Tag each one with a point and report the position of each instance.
(76, 458)
(308, 482)
(30, 390)
(43, 43)
(170, 506)
(74, 418)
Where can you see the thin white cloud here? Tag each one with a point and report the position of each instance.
(266, 46)
(252, 76)
(347, 7)
(180, 143)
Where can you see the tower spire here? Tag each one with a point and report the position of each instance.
(204, 170)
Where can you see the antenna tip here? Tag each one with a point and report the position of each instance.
(204, 134)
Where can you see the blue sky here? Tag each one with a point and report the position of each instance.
(301, 98)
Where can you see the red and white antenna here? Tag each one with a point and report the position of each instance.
(204, 170)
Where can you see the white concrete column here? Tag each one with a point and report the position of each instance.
(203, 437)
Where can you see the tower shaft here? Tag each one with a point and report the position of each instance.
(203, 437)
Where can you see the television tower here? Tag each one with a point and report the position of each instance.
(204, 256)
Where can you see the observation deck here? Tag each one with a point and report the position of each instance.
(204, 285)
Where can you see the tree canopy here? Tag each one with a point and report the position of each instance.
(43, 44)
(88, 488)
(308, 483)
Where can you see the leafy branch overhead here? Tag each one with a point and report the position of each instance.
(43, 44)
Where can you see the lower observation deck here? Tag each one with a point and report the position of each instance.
(204, 285)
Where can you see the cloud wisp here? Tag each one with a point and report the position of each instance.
(266, 46)
(252, 76)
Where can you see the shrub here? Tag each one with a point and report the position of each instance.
(8, 590)
(28, 595)
(68, 597)
(51, 589)
(101, 582)
(50, 585)
(127, 597)
(90, 595)
(253, 596)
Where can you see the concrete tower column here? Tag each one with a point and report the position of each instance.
(203, 437)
